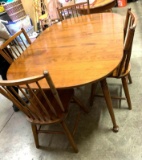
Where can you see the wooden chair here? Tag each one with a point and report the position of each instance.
(128, 21)
(45, 107)
(15, 45)
(123, 70)
(72, 10)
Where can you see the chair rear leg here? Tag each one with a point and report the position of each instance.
(35, 134)
(125, 86)
(69, 136)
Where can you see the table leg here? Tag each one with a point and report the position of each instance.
(109, 103)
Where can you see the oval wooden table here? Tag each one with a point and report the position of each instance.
(75, 52)
(102, 5)
(98, 6)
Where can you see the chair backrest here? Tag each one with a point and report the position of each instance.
(129, 21)
(73, 10)
(128, 42)
(15, 45)
(41, 107)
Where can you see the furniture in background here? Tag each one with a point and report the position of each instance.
(99, 6)
(74, 53)
(95, 6)
(102, 6)
(15, 10)
(17, 18)
(42, 14)
(123, 70)
(71, 11)
(45, 107)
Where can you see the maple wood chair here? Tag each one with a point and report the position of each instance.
(12, 49)
(128, 22)
(45, 107)
(15, 46)
(72, 10)
(123, 70)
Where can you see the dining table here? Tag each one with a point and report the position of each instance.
(76, 52)
(97, 6)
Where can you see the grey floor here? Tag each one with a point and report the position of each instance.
(94, 136)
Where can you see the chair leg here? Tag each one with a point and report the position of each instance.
(109, 103)
(125, 86)
(93, 89)
(81, 105)
(70, 137)
(35, 134)
(120, 96)
(129, 78)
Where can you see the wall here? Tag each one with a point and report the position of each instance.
(29, 9)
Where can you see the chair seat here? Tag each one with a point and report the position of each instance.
(122, 74)
(65, 97)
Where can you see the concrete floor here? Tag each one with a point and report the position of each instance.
(94, 136)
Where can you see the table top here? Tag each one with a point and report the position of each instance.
(75, 51)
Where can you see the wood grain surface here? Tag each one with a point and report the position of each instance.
(76, 51)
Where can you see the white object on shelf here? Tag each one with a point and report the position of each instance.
(33, 35)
